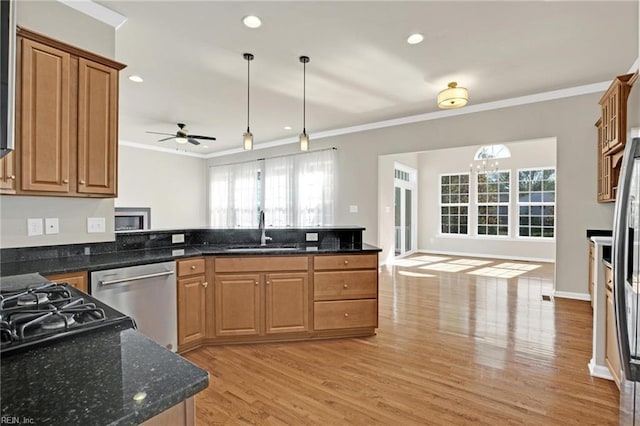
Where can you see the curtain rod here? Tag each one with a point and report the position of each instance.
(333, 148)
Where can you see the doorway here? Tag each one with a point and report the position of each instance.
(405, 210)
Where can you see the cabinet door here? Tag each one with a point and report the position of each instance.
(287, 302)
(237, 305)
(97, 128)
(191, 309)
(44, 118)
(7, 173)
(74, 279)
(611, 352)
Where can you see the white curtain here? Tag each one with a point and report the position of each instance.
(299, 189)
(233, 195)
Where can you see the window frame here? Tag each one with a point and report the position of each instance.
(542, 204)
(497, 204)
(467, 205)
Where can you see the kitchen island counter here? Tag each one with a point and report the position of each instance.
(102, 378)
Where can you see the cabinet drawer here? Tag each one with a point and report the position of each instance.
(345, 285)
(345, 314)
(352, 261)
(190, 267)
(261, 263)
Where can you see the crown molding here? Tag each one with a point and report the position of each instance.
(97, 11)
(160, 149)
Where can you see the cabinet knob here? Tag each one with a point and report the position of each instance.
(205, 284)
(268, 282)
(65, 180)
(346, 315)
(346, 262)
(346, 286)
(193, 267)
(81, 182)
(256, 282)
(12, 177)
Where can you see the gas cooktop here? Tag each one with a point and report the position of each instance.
(42, 313)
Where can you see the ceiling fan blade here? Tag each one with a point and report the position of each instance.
(168, 134)
(193, 141)
(205, 138)
(166, 139)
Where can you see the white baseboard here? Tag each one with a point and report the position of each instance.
(488, 256)
(572, 295)
(600, 371)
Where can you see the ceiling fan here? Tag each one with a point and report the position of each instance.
(183, 136)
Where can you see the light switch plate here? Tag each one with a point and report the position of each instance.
(34, 227)
(96, 225)
(51, 225)
(177, 238)
(353, 208)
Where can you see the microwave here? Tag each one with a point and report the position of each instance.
(132, 218)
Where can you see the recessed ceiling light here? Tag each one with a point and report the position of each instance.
(205, 146)
(136, 78)
(415, 38)
(287, 127)
(251, 21)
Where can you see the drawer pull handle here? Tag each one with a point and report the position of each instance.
(193, 267)
(205, 284)
(12, 177)
(346, 286)
(346, 315)
(346, 262)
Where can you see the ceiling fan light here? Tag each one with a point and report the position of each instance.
(304, 141)
(181, 139)
(247, 140)
(453, 97)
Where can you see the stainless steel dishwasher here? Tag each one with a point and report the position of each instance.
(147, 293)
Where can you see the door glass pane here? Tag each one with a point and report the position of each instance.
(407, 219)
(398, 220)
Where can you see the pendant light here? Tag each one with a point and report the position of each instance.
(453, 96)
(304, 138)
(247, 137)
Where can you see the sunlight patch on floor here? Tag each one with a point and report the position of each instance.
(409, 263)
(472, 262)
(414, 274)
(497, 272)
(430, 259)
(518, 266)
(446, 267)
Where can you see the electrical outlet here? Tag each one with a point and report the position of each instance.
(51, 225)
(96, 225)
(353, 208)
(177, 238)
(34, 227)
(312, 236)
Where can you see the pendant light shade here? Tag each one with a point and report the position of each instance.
(304, 137)
(453, 97)
(247, 137)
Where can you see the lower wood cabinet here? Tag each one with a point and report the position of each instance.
(345, 314)
(74, 279)
(287, 302)
(237, 305)
(192, 311)
(181, 414)
(612, 357)
(591, 272)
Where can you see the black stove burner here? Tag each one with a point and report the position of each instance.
(39, 314)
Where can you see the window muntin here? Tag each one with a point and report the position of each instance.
(492, 151)
(454, 204)
(493, 198)
(536, 202)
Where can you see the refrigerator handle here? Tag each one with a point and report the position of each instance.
(619, 250)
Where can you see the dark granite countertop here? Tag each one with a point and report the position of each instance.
(91, 379)
(126, 258)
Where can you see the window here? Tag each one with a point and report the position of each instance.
(493, 203)
(295, 190)
(454, 204)
(536, 202)
(492, 151)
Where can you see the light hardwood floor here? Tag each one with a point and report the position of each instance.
(460, 342)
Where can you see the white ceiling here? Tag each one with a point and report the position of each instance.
(361, 69)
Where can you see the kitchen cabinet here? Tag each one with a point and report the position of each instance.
(612, 358)
(74, 279)
(591, 272)
(8, 174)
(345, 292)
(181, 414)
(192, 288)
(67, 119)
(258, 296)
(611, 135)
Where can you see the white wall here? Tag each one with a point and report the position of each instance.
(63, 23)
(525, 154)
(173, 186)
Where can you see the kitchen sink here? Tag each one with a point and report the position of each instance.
(259, 249)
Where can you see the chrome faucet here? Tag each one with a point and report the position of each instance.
(263, 237)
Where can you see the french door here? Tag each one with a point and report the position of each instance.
(406, 209)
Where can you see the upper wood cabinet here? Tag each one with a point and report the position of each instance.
(67, 119)
(8, 174)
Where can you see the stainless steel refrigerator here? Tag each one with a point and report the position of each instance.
(626, 281)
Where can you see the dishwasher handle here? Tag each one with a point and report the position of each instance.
(137, 278)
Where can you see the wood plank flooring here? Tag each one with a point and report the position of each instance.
(462, 341)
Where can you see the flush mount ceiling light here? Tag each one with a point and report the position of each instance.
(453, 97)
(136, 78)
(304, 138)
(415, 38)
(251, 21)
(181, 140)
(287, 127)
(247, 137)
